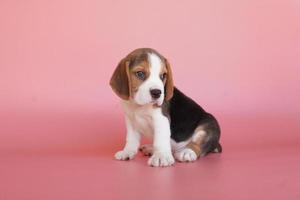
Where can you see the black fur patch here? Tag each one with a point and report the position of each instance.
(185, 116)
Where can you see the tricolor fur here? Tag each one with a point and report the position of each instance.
(153, 107)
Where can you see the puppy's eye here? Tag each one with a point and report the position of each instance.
(141, 75)
(163, 76)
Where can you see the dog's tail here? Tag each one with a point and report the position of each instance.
(218, 149)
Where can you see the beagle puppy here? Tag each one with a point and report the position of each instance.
(153, 107)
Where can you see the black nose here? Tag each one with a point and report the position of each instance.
(155, 93)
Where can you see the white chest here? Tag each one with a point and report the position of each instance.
(140, 118)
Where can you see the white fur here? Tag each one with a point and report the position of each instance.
(162, 155)
(132, 142)
(186, 155)
(143, 96)
(180, 151)
(149, 121)
(178, 146)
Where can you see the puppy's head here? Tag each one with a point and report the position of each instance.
(143, 76)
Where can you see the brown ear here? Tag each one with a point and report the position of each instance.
(119, 80)
(169, 87)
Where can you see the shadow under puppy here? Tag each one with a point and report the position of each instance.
(154, 107)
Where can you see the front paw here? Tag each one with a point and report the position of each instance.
(125, 155)
(161, 159)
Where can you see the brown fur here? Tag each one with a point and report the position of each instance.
(119, 80)
(134, 81)
(195, 147)
(197, 140)
(169, 86)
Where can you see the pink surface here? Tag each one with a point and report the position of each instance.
(60, 123)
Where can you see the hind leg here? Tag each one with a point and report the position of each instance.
(193, 149)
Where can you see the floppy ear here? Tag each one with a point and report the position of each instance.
(169, 87)
(119, 80)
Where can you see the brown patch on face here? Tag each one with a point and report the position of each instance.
(163, 74)
(167, 78)
(134, 80)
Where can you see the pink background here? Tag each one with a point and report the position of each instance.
(60, 123)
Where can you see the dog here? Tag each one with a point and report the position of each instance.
(154, 107)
